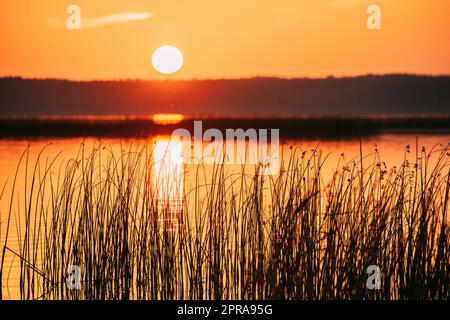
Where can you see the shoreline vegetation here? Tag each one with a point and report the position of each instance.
(290, 236)
(344, 127)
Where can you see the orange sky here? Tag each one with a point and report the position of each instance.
(223, 39)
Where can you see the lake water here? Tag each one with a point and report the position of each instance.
(391, 149)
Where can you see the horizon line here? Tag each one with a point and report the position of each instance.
(362, 75)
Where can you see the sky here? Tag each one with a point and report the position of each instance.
(223, 39)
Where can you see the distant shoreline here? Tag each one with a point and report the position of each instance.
(106, 118)
(390, 95)
(326, 128)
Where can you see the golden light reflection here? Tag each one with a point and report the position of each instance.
(167, 118)
(168, 178)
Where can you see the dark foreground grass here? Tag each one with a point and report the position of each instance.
(296, 235)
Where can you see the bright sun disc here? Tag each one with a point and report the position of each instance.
(167, 59)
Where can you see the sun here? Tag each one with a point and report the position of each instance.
(167, 59)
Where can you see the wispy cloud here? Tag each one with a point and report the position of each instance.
(93, 22)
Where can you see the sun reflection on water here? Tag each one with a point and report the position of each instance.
(167, 118)
(168, 178)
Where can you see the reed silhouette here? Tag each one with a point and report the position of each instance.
(240, 236)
